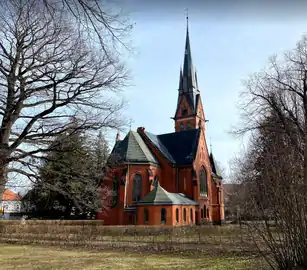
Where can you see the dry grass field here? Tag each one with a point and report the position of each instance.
(90, 245)
(14, 256)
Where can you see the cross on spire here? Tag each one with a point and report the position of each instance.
(130, 123)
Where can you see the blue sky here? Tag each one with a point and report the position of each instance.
(225, 51)
(227, 45)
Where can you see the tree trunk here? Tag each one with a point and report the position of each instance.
(3, 177)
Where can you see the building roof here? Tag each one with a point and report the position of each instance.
(178, 147)
(159, 196)
(214, 166)
(132, 149)
(9, 195)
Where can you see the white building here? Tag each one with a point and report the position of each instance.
(10, 204)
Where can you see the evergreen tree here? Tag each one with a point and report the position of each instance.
(70, 179)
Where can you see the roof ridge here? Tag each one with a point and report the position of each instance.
(183, 131)
(147, 153)
(166, 192)
(164, 150)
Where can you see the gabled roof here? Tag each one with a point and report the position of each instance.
(178, 147)
(9, 195)
(132, 149)
(159, 196)
(214, 166)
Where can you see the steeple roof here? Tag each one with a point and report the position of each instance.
(188, 78)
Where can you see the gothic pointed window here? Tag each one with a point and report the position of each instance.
(163, 215)
(184, 215)
(177, 215)
(203, 182)
(191, 215)
(181, 127)
(137, 188)
(146, 215)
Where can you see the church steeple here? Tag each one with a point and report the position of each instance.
(188, 92)
(180, 81)
(189, 74)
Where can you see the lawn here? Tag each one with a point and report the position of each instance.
(37, 257)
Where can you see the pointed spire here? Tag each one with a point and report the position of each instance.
(189, 76)
(187, 56)
(196, 80)
(180, 80)
(188, 86)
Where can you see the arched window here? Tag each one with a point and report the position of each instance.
(205, 211)
(188, 125)
(115, 191)
(184, 215)
(163, 215)
(146, 215)
(137, 188)
(181, 127)
(191, 215)
(202, 213)
(177, 215)
(203, 182)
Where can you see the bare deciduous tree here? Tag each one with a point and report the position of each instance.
(274, 169)
(50, 73)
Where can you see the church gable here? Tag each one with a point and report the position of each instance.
(184, 108)
(202, 155)
(133, 150)
(199, 108)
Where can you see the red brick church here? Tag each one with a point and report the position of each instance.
(168, 178)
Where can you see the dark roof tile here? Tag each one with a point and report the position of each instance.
(132, 149)
(178, 147)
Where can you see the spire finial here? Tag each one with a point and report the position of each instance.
(187, 17)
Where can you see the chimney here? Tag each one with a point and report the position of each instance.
(141, 129)
(117, 137)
